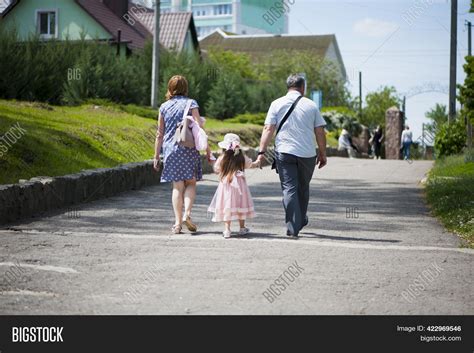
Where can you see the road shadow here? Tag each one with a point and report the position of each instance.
(332, 237)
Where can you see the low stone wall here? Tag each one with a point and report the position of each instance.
(42, 194)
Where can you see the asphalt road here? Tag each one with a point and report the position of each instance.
(371, 248)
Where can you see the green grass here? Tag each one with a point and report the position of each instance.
(64, 140)
(450, 192)
(100, 134)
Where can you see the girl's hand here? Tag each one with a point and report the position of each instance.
(210, 157)
(156, 164)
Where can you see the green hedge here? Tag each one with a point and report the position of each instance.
(450, 139)
(248, 118)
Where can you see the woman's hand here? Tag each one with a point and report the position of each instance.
(156, 164)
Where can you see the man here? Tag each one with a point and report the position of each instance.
(407, 140)
(295, 149)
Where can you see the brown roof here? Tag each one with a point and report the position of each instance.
(112, 23)
(261, 44)
(258, 44)
(173, 28)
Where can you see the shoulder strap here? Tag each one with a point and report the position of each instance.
(288, 113)
(186, 109)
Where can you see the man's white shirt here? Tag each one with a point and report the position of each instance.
(296, 137)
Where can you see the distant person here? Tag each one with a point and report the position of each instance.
(232, 200)
(181, 165)
(377, 140)
(345, 143)
(295, 149)
(406, 141)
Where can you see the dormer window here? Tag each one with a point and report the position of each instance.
(47, 23)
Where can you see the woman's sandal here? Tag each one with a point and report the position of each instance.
(189, 223)
(176, 229)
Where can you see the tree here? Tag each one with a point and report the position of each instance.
(321, 74)
(227, 97)
(466, 96)
(227, 60)
(438, 116)
(338, 118)
(377, 104)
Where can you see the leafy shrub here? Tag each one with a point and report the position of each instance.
(450, 139)
(338, 118)
(249, 118)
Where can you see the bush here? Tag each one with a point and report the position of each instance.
(249, 118)
(450, 139)
(338, 118)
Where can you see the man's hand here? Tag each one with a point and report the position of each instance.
(260, 159)
(156, 164)
(321, 161)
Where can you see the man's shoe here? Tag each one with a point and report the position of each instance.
(291, 235)
(306, 222)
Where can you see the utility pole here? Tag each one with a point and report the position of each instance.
(360, 96)
(469, 51)
(452, 66)
(469, 38)
(156, 58)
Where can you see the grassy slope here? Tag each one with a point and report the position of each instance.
(450, 192)
(63, 140)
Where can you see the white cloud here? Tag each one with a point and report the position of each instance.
(374, 28)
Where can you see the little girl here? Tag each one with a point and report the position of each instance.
(232, 200)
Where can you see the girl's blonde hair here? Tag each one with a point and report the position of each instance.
(231, 163)
(177, 86)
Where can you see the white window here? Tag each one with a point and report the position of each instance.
(47, 23)
(200, 10)
(222, 9)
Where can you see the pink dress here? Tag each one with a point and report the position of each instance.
(232, 200)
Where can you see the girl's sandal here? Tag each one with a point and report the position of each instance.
(176, 229)
(226, 234)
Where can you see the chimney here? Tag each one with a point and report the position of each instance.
(118, 7)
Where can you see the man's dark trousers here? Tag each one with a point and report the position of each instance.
(295, 175)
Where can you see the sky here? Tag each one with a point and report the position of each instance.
(389, 47)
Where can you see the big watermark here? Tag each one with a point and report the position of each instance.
(274, 13)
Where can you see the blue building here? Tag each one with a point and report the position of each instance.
(236, 16)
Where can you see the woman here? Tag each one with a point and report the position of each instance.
(377, 142)
(181, 165)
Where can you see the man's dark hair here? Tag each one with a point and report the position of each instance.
(295, 81)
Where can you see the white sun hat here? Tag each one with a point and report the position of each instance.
(229, 139)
